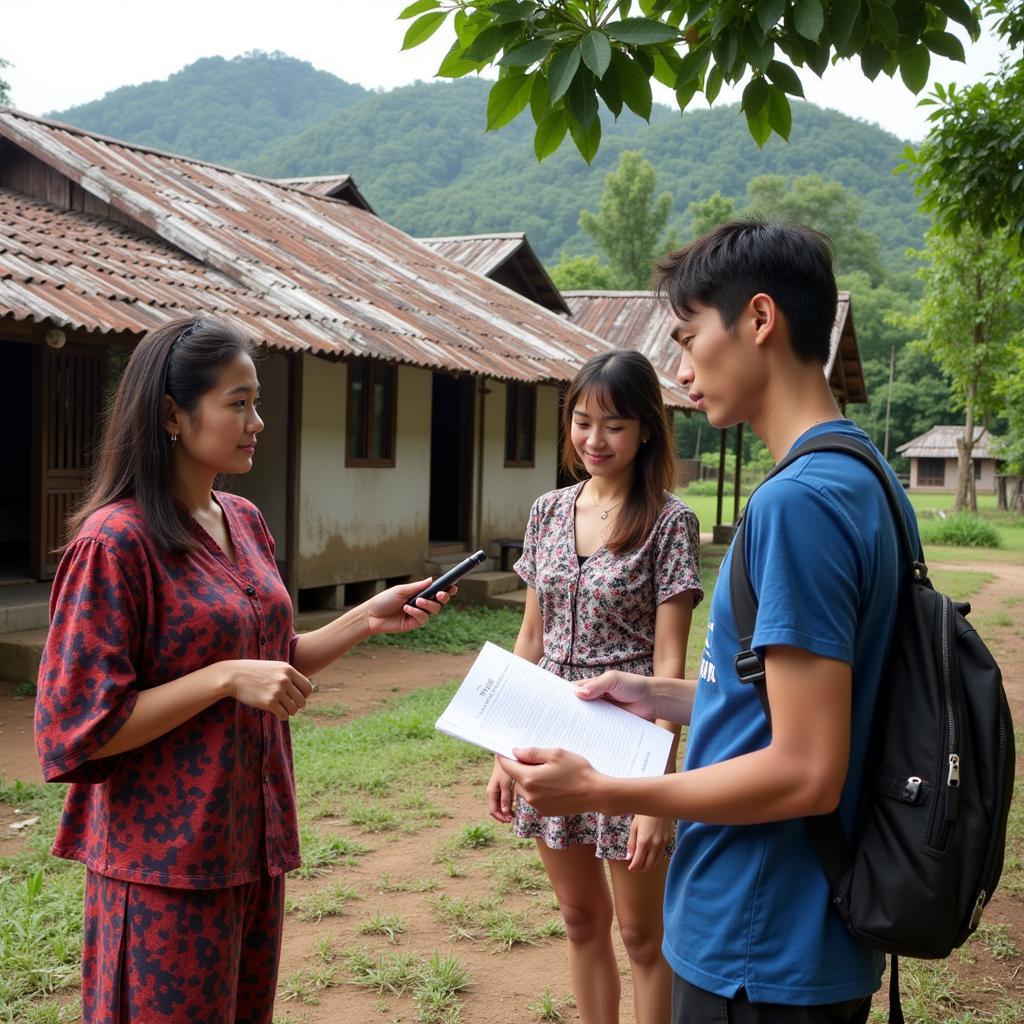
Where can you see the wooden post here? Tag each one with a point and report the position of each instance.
(736, 478)
(721, 476)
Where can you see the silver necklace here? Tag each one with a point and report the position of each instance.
(605, 512)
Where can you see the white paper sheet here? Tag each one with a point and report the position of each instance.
(506, 701)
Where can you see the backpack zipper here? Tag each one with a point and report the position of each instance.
(942, 828)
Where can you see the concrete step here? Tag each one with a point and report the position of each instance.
(25, 606)
(514, 599)
(20, 654)
(435, 565)
(478, 586)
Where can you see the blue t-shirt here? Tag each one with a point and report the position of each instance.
(747, 907)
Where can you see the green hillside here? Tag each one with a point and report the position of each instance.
(421, 156)
(224, 111)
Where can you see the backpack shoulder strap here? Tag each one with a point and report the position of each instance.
(826, 830)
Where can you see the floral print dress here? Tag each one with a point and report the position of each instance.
(596, 616)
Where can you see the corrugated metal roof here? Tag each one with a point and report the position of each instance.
(310, 273)
(507, 258)
(940, 443)
(331, 186)
(641, 320)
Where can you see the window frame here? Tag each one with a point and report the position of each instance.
(372, 371)
(513, 422)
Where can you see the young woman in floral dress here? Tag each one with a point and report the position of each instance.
(611, 566)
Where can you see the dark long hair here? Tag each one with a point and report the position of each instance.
(182, 359)
(625, 384)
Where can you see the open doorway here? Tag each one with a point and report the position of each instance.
(451, 459)
(16, 461)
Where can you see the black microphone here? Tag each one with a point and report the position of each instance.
(444, 581)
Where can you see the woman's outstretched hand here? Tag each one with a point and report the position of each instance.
(273, 686)
(390, 611)
(500, 794)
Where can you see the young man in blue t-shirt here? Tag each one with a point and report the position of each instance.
(749, 930)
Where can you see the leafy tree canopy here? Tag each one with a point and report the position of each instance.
(629, 227)
(5, 89)
(970, 168)
(582, 274)
(565, 58)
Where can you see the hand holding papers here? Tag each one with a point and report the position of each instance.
(507, 702)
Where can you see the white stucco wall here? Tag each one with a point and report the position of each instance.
(361, 523)
(509, 493)
(985, 483)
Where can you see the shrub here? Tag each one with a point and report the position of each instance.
(962, 530)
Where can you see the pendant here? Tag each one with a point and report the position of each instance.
(604, 515)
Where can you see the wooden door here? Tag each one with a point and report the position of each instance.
(71, 395)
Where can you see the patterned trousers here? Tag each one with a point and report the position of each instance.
(164, 956)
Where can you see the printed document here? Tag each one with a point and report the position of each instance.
(506, 701)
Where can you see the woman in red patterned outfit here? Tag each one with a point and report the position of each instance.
(611, 566)
(170, 672)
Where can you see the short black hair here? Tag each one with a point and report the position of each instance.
(724, 268)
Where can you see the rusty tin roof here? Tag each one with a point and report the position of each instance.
(299, 271)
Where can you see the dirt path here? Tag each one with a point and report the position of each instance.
(504, 984)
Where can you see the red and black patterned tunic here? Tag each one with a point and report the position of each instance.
(211, 803)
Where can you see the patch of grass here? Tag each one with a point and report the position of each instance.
(458, 630)
(460, 915)
(396, 973)
(435, 994)
(331, 901)
(24, 689)
(517, 872)
(372, 817)
(961, 530)
(546, 1006)
(335, 710)
(508, 928)
(388, 925)
(321, 851)
(306, 984)
(475, 837)
(552, 928)
(386, 884)
(959, 584)
(385, 755)
(998, 942)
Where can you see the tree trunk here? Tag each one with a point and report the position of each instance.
(964, 463)
(1001, 492)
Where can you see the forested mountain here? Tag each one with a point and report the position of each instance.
(223, 111)
(421, 156)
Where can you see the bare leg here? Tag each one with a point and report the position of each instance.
(638, 907)
(578, 878)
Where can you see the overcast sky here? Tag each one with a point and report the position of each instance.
(68, 52)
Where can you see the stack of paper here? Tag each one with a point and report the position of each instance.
(506, 702)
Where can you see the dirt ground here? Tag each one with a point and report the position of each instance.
(504, 984)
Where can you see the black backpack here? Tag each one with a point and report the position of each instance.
(927, 850)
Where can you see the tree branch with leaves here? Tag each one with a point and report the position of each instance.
(565, 58)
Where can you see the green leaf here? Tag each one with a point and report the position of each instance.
(842, 16)
(785, 78)
(423, 28)
(609, 89)
(872, 58)
(666, 67)
(759, 126)
(597, 52)
(757, 49)
(769, 13)
(507, 98)
(756, 95)
(945, 44)
(961, 12)
(809, 18)
(588, 140)
(527, 54)
(914, 64)
(713, 84)
(511, 10)
(455, 65)
(489, 42)
(884, 22)
(686, 92)
(725, 49)
(780, 114)
(693, 64)
(418, 8)
(581, 99)
(641, 31)
(550, 133)
(540, 105)
(562, 70)
(636, 85)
